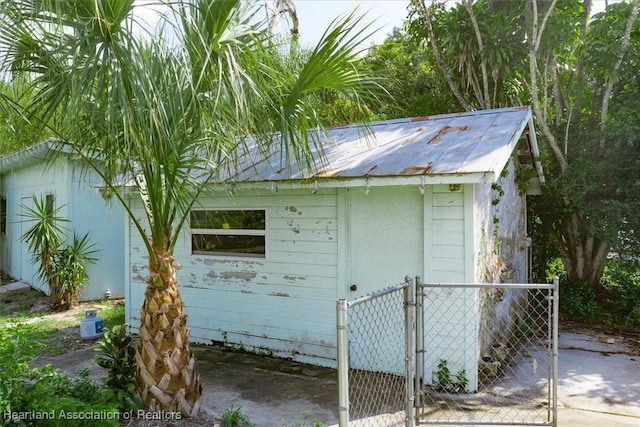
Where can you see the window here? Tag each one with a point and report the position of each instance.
(3, 215)
(239, 233)
(48, 200)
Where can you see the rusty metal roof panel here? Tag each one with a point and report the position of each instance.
(464, 143)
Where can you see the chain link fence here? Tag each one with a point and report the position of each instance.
(449, 354)
(486, 354)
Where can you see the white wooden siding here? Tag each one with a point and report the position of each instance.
(450, 315)
(445, 234)
(285, 302)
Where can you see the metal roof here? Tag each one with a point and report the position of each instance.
(471, 146)
(465, 147)
(30, 156)
(42, 152)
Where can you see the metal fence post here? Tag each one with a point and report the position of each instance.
(343, 364)
(556, 306)
(409, 311)
(419, 349)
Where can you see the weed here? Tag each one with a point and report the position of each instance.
(461, 379)
(446, 383)
(443, 374)
(235, 418)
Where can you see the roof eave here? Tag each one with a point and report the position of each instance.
(361, 182)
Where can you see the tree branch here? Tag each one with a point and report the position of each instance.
(580, 63)
(439, 61)
(483, 66)
(534, 46)
(624, 45)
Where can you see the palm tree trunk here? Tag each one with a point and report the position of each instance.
(166, 376)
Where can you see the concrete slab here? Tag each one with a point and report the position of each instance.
(598, 384)
(271, 392)
(596, 376)
(13, 286)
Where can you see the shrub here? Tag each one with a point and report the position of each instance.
(116, 353)
(580, 304)
(61, 266)
(71, 402)
(16, 350)
(621, 279)
(74, 402)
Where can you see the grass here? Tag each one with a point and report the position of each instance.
(58, 331)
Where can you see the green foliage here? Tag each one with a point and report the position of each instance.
(62, 266)
(69, 400)
(112, 315)
(448, 382)
(70, 268)
(616, 302)
(44, 390)
(235, 418)
(46, 234)
(461, 379)
(621, 280)
(16, 350)
(116, 353)
(407, 71)
(589, 139)
(16, 130)
(580, 303)
(443, 374)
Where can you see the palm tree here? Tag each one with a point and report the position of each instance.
(161, 118)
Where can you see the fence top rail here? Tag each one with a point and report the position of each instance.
(377, 294)
(489, 285)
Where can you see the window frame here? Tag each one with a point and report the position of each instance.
(230, 232)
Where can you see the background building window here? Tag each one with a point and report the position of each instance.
(3, 215)
(228, 233)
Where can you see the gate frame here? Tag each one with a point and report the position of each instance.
(552, 396)
(409, 289)
(413, 290)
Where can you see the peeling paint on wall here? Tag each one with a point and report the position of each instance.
(241, 275)
(280, 294)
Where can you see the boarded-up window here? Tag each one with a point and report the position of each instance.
(238, 233)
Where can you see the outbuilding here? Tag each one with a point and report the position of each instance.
(72, 186)
(272, 247)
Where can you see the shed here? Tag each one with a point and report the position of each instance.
(269, 251)
(33, 172)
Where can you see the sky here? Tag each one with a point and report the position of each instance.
(316, 15)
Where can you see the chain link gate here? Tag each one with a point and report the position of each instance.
(375, 357)
(486, 354)
(474, 354)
